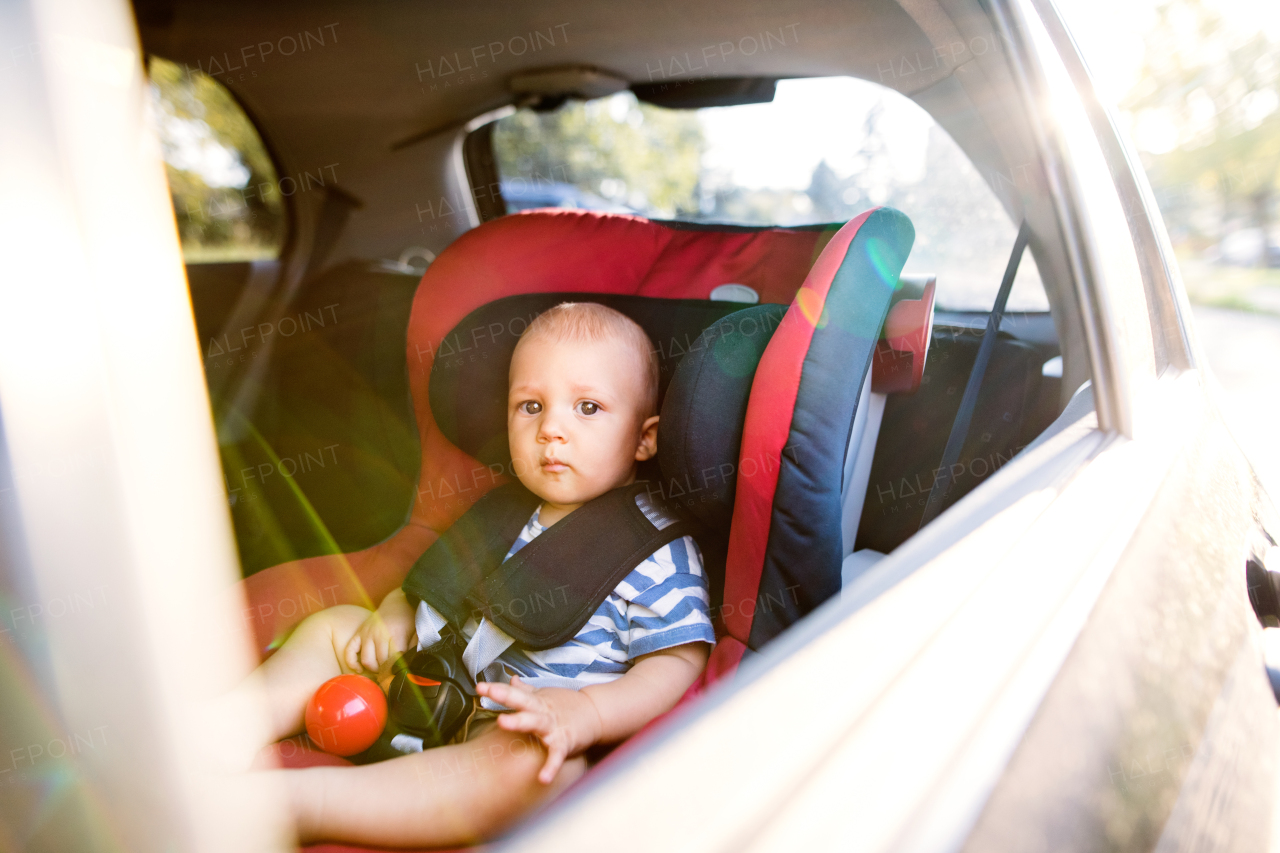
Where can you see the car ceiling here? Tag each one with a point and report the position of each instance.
(369, 86)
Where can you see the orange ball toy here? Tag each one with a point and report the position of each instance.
(346, 714)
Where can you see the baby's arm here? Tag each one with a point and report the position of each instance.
(569, 721)
(387, 632)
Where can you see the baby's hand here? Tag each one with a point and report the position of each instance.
(566, 721)
(383, 636)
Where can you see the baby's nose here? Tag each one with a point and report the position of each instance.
(550, 428)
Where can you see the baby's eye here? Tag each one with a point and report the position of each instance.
(530, 407)
(587, 407)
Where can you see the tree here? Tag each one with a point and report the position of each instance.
(624, 150)
(224, 187)
(1221, 90)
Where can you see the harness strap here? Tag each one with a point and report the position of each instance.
(482, 649)
(546, 592)
(549, 589)
(474, 544)
(429, 625)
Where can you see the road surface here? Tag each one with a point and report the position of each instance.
(1243, 350)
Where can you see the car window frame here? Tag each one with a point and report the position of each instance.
(1161, 277)
(1119, 386)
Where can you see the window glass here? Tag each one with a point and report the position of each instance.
(1118, 274)
(824, 150)
(225, 191)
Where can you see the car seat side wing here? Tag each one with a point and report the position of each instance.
(785, 544)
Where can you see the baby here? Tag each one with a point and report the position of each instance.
(581, 412)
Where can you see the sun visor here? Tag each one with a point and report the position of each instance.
(715, 92)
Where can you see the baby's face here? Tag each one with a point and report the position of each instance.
(573, 418)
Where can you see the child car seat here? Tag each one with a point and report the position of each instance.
(755, 439)
(535, 259)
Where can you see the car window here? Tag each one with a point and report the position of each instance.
(1145, 325)
(227, 197)
(824, 150)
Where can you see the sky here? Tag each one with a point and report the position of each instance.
(778, 144)
(1109, 33)
(799, 126)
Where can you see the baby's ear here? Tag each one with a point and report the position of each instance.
(648, 445)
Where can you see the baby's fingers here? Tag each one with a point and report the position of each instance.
(526, 721)
(352, 653)
(511, 696)
(385, 649)
(369, 652)
(555, 759)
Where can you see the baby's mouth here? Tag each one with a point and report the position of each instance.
(553, 466)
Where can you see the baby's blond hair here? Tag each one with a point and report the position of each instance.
(591, 321)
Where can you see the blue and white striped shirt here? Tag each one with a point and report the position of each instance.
(662, 603)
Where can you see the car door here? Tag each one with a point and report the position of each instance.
(1163, 696)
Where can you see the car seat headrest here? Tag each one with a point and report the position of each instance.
(707, 352)
(468, 388)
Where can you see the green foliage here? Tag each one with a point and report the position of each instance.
(225, 193)
(1220, 88)
(617, 148)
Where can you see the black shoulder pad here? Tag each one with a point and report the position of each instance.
(548, 590)
(474, 545)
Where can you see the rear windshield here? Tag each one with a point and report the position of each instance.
(824, 150)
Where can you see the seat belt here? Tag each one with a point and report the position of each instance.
(960, 427)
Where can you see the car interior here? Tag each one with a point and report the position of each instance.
(425, 162)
